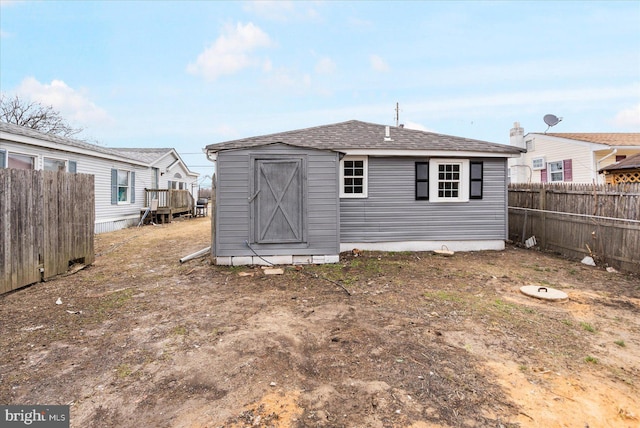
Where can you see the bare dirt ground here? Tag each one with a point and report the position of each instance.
(421, 341)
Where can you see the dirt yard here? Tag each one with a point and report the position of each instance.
(419, 340)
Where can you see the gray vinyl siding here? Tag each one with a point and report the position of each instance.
(233, 215)
(391, 213)
(109, 217)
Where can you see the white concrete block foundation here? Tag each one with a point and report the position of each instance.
(276, 260)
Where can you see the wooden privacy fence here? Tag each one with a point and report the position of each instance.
(47, 223)
(580, 219)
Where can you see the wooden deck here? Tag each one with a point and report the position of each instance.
(171, 203)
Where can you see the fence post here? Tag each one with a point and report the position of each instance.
(543, 217)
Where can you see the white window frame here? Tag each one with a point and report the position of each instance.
(538, 164)
(560, 171)
(9, 153)
(128, 200)
(365, 179)
(66, 163)
(463, 186)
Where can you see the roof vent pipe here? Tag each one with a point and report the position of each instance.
(387, 135)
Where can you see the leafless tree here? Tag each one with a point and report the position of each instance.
(36, 116)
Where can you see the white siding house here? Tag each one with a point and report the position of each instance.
(121, 175)
(568, 157)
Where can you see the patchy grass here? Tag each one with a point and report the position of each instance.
(587, 327)
(123, 371)
(591, 360)
(179, 330)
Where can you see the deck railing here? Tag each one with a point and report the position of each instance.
(175, 200)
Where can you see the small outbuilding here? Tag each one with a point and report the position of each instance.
(303, 196)
(626, 170)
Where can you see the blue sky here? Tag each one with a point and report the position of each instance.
(188, 74)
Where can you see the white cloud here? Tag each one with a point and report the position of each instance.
(414, 125)
(325, 66)
(378, 64)
(629, 117)
(230, 52)
(74, 105)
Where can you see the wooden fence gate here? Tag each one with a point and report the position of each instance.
(580, 219)
(47, 223)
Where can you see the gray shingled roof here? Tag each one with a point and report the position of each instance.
(354, 134)
(28, 132)
(143, 155)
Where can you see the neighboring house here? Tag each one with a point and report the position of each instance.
(304, 196)
(121, 175)
(568, 157)
(625, 171)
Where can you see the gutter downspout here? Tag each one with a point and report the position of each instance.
(214, 203)
(613, 152)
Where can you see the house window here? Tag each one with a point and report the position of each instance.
(449, 175)
(529, 145)
(51, 164)
(176, 185)
(449, 180)
(17, 161)
(122, 187)
(3, 158)
(353, 177)
(556, 171)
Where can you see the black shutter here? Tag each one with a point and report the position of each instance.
(475, 182)
(422, 181)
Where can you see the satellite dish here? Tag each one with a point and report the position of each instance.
(551, 120)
